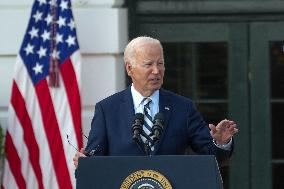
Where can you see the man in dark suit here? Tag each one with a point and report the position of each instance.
(111, 129)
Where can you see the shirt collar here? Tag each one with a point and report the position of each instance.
(137, 97)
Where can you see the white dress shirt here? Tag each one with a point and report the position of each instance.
(138, 98)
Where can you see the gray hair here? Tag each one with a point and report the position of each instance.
(130, 49)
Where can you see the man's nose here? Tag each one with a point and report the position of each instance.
(155, 69)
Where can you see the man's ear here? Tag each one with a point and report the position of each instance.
(128, 68)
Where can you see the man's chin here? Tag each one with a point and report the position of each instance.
(156, 87)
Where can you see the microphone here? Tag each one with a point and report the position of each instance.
(158, 127)
(137, 126)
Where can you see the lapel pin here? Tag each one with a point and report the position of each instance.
(167, 108)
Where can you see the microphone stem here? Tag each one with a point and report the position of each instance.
(147, 147)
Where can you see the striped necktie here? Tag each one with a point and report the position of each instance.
(148, 121)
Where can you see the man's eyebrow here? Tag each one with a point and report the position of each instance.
(147, 61)
(150, 61)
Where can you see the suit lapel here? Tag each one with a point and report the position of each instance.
(127, 112)
(126, 107)
(165, 108)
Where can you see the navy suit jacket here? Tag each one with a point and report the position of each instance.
(111, 128)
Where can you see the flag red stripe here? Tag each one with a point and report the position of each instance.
(14, 161)
(73, 95)
(53, 135)
(19, 106)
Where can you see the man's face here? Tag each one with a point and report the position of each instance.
(147, 73)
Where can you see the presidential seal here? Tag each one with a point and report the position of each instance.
(146, 179)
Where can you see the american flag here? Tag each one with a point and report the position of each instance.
(45, 104)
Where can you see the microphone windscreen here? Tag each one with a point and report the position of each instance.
(139, 116)
(159, 116)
